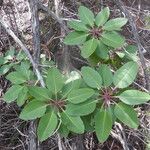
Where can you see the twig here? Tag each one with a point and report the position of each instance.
(23, 47)
(120, 136)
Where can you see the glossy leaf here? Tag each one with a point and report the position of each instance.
(77, 25)
(75, 38)
(134, 97)
(22, 96)
(54, 80)
(82, 109)
(106, 75)
(12, 93)
(102, 16)
(88, 48)
(86, 16)
(80, 95)
(103, 125)
(112, 39)
(126, 114)
(91, 77)
(47, 126)
(74, 124)
(115, 24)
(34, 109)
(125, 75)
(39, 93)
(16, 77)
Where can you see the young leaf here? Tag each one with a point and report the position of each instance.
(16, 77)
(77, 25)
(75, 38)
(112, 39)
(22, 96)
(47, 126)
(102, 16)
(115, 24)
(103, 125)
(80, 95)
(54, 80)
(106, 75)
(88, 48)
(83, 109)
(39, 93)
(74, 124)
(34, 109)
(12, 93)
(86, 16)
(125, 75)
(134, 97)
(91, 77)
(126, 114)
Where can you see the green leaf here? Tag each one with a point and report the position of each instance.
(2, 60)
(22, 96)
(12, 93)
(113, 39)
(134, 97)
(40, 93)
(91, 77)
(23, 69)
(126, 114)
(47, 126)
(5, 68)
(102, 50)
(54, 80)
(125, 75)
(82, 109)
(89, 47)
(102, 16)
(131, 53)
(63, 131)
(80, 95)
(103, 125)
(106, 74)
(16, 77)
(74, 124)
(75, 38)
(77, 25)
(71, 86)
(86, 16)
(115, 24)
(34, 109)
